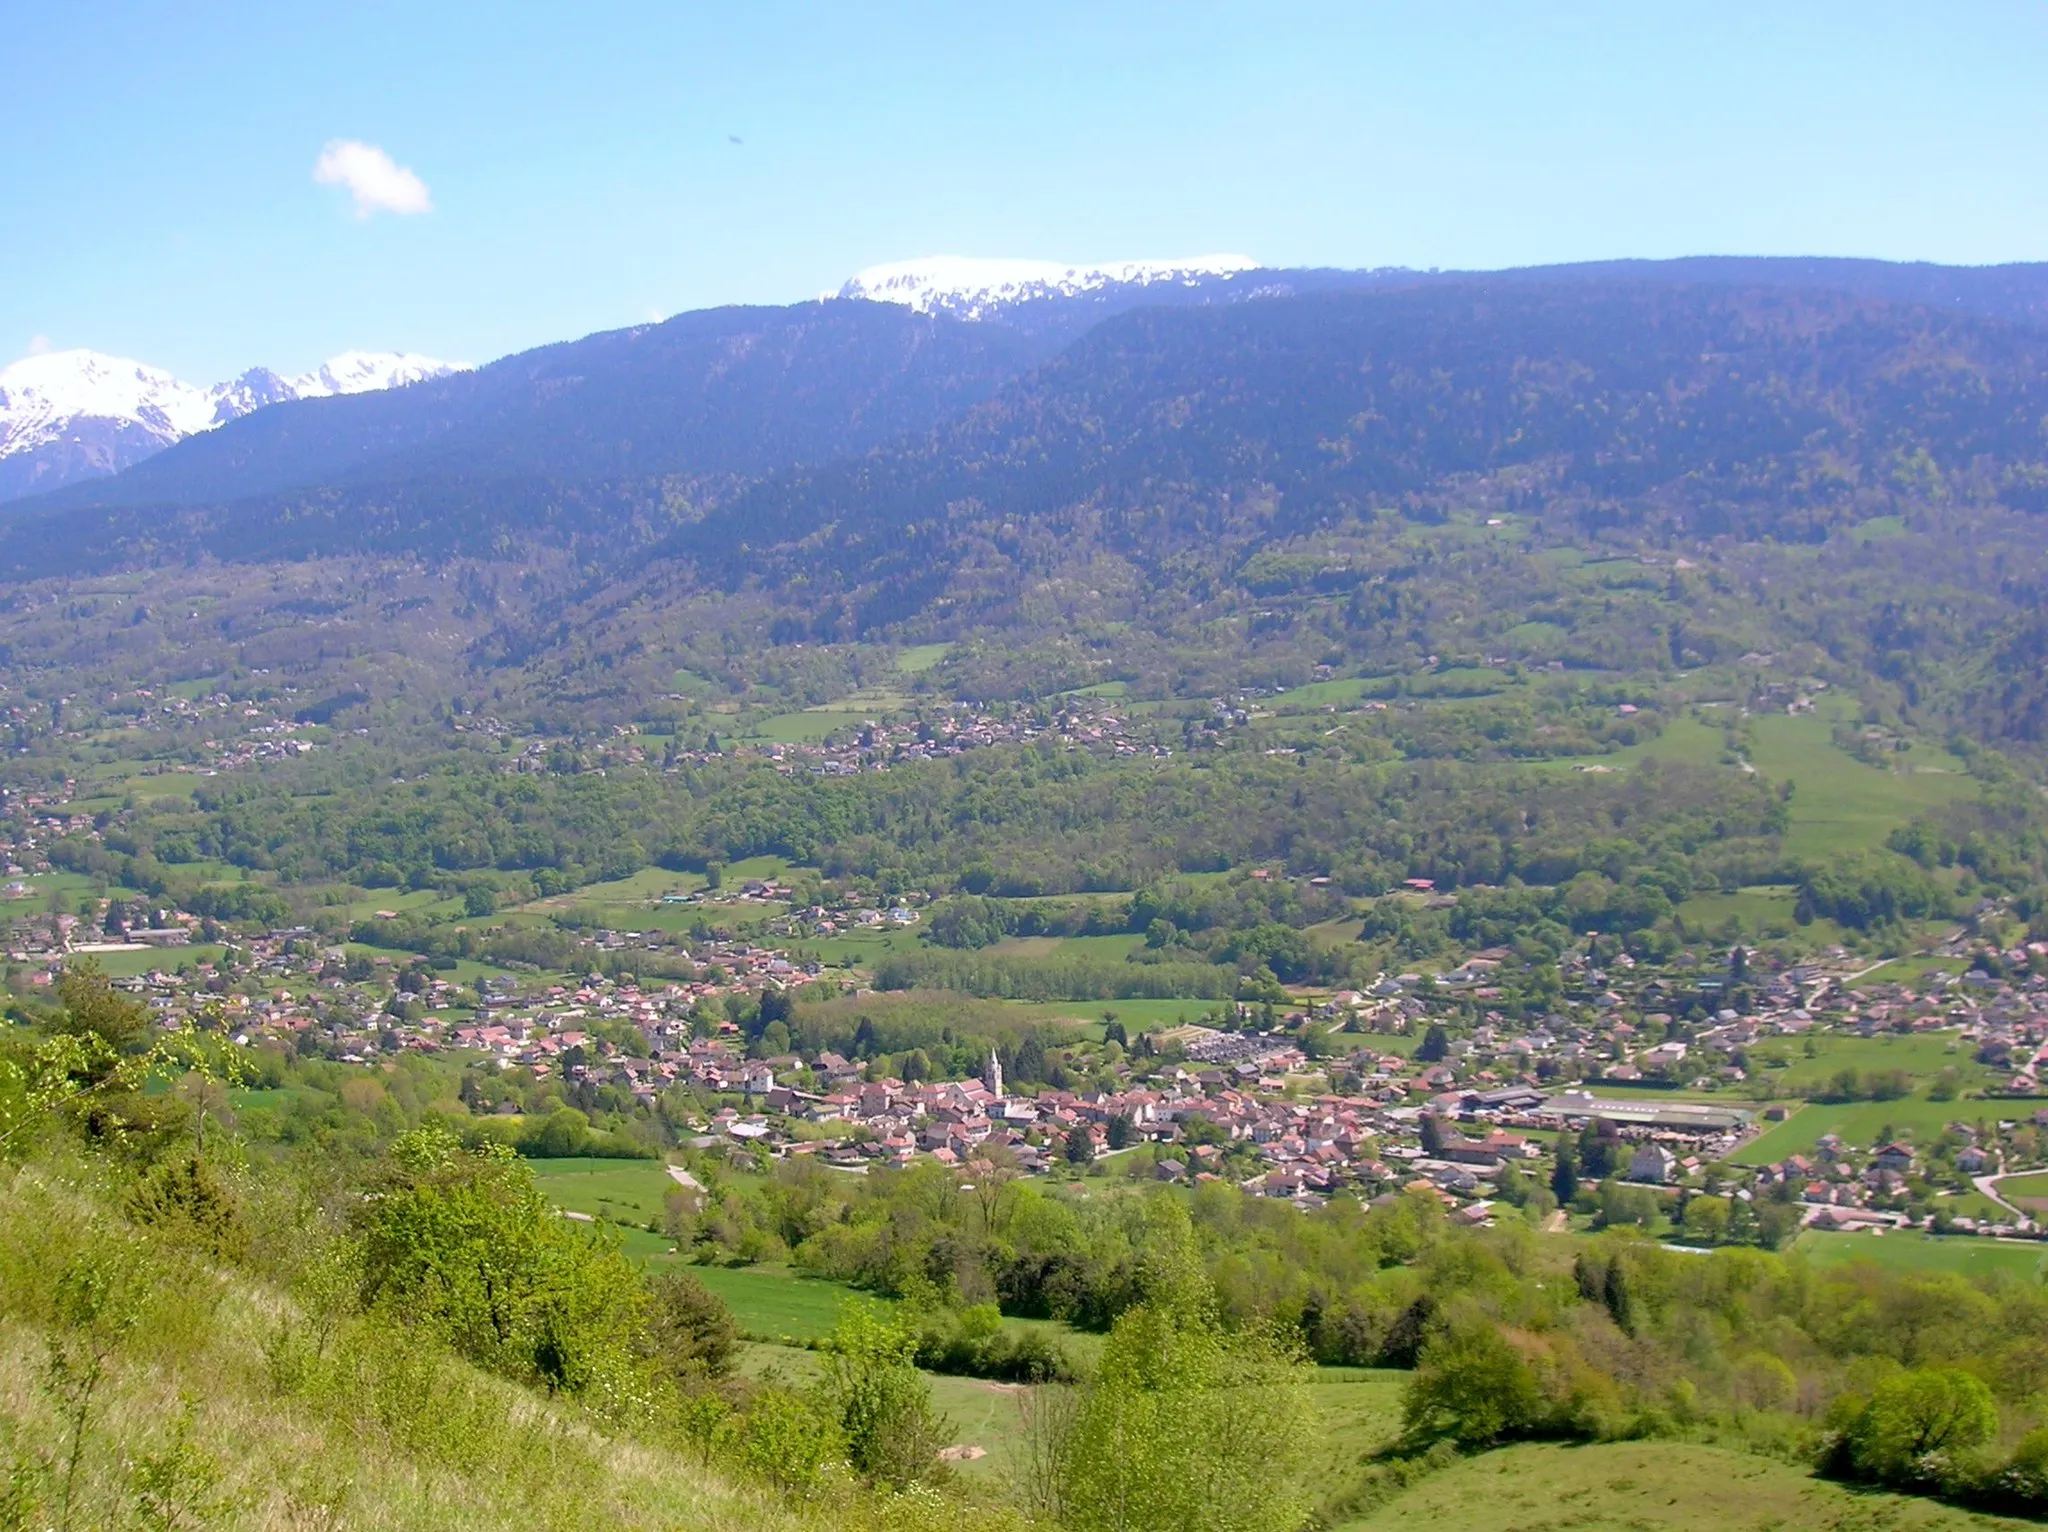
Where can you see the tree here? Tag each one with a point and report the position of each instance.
(93, 1007)
(1432, 1135)
(1080, 1145)
(1564, 1173)
(1027, 1065)
(464, 1240)
(1436, 1045)
(1121, 1131)
(690, 1332)
(97, 1300)
(1917, 1415)
(872, 1388)
(1184, 1425)
(1472, 1387)
(1599, 1149)
(1707, 1219)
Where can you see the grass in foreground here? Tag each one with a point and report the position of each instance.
(1636, 1486)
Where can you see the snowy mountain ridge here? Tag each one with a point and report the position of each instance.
(969, 287)
(71, 415)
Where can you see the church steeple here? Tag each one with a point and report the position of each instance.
(992, 1076)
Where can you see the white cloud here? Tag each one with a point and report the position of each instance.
(39, 345)
(377, 182)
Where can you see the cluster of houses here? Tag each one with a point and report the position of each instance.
(956, 729)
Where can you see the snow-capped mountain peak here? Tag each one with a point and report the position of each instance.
(70, 415)
(969, 287)
(363, 372)
(39, 394)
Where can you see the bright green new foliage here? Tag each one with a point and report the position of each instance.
(881, 1401)
(1185, 1428)
(465, 1241)
(1932, 1412)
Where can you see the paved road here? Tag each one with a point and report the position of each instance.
(1988, 1185)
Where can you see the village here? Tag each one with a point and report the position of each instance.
(1405, 1086)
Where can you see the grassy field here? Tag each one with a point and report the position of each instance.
(1923, 1252)
(625, 1191)
(649, 883)
(2029, 1192)
(423, 902)
(919, 658)
(1685, 741)
(861, 949)
(1113, 948)
(1839, 804)
(1324, 693)
(1913, 970)
(1923, 1055)
(1361, 1411)
(776, 1301)
(767, 868)
(1649, 1487)
(1763, 911)
(126, 965)
(802, 728)
(1861, 1123)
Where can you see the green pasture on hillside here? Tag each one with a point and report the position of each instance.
(1114, 948)
(1839, 804)
(1649, 1487)
(1324, 693)
(1762, 911)
(805, 727)
(1361, 1412)
(624, 1191)
(1684, 742)
(127, 965)
(775, 1301)
(649, 883)
(861, 948)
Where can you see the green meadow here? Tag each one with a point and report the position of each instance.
(1635, 1486)
(624, 1191)
(1861, 1123)
(1962, 1255)
(1840, 804)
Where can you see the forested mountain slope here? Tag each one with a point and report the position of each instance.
(1767, 391)
(717, 392)
(1695, 412)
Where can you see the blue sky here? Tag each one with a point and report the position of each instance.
(159, 198)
